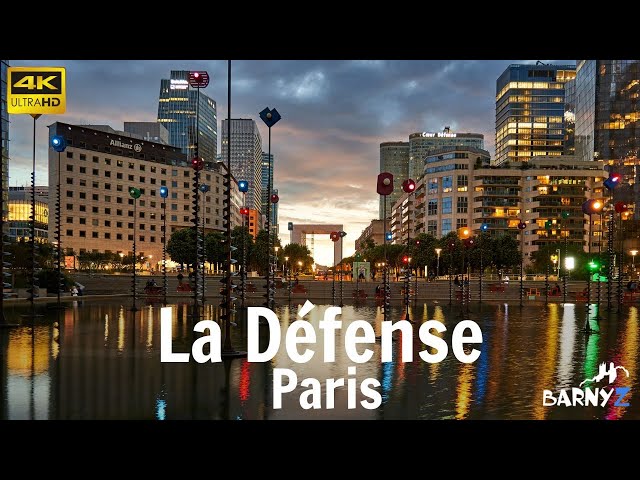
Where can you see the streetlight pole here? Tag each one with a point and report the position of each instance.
(33, 280)
(243, 186)
(342, 235)
(521, 226)
(59, 144)
(288, 276)
(204, 188)
(270, 117)
(135, 194)
(164, 193)
(438, 250)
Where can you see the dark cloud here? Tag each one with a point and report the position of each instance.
(334, 116)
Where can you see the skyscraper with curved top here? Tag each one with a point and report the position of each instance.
(177, 111)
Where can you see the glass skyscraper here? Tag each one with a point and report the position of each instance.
(607, 109)
(394, 158)
(530, 108)
(246, 157)
(177, 111)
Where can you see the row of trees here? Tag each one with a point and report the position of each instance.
(182, 245)
(497, 252)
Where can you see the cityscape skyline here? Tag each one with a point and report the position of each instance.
(335, 115)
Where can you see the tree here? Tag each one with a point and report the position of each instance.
(506, 252)
(423, 252)
(214, 248)
(237, 235)
(298, 253)
(260, 254)
(181, 246)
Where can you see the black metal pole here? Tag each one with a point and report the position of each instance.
(135, 257)
(204, 201)
(164, 251)
(227, 348)
(341, 271)
(587, 327)
(385, 279)
(58, 235)
(245, 232)
(521, 263)
(450, 274)
(620, 260)
(269, 301)
(32, 227)
(196, 196)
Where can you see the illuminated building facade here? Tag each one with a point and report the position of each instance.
(423, 143)
(264, 185)
(530, 108)
(97, 170)
(374, 231)
(461, 189)
(254, 225)
(177, 112)
(394, 158)
(20, 211)
(246, 157)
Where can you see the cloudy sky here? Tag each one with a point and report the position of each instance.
(334, 116)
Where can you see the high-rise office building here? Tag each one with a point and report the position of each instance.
(265, 178)
(20, 213)
(177, 111)
(97, 213)
(149, 131)
(4, 138)
(394, 158)
(422, 144)
(607, 109)
(246, 157)
(530, 106)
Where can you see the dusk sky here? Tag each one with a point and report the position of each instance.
(334, 116)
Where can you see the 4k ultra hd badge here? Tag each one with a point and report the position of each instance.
(36, 90)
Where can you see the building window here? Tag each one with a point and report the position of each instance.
(432, 227)
(69, 233)
(119, 212)
(432, 207)
(83, 170)
(69, 206)
(83, 182)
(142, 180)
(174, 218)
(461, 222)
(446, 226)
(118, 199)
(447, 184)
(70, 194)
(174, 184)
(142, 167)
(82, 208)
(446, 205)
(131, 178)
(83, 233)
(131, 213)
(107, 223)
(107, 236)
(174, 173)
(118, 224)
(69, 219)
(118, 236)
(107, 186)
(94, 209)
(142, 226)
(119, 175)
(69, 168)
(107, 174)
(107, 161)
(119, 163)
(174, 206)
(83, 195)
(95, 171)
(130, 225)
(163, 171)
(463, 183)
(131, 165)
(186, 218)
(432, 186)
(141, 238)
(152, 239)
(94, 222)
(94, 197)
(185, 184)
(94, 234)
(153, 181)
(461, 204)
(95, 159)
(130, 237)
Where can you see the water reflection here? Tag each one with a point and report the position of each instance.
(102, 361)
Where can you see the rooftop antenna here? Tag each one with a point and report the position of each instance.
(447, 129)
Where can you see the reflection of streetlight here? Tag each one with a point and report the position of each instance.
(438, 250)
(276, 250)
(569, 264)
(633, 259)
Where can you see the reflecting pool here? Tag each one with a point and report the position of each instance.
(102, 361)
